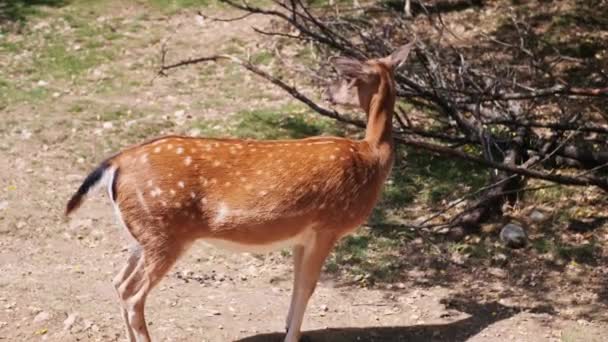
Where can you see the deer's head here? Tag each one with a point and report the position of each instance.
(360, 81)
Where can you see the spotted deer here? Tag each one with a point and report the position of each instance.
(250, 195)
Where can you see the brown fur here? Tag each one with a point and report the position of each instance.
(174, 190)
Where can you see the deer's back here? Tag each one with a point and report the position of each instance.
(226, 189)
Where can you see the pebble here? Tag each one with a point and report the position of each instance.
(537, 216)
(513, 235)
(67, 324)
(41, 317)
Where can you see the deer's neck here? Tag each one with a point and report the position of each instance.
(379, 118)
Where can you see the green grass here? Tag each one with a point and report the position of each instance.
(175, 5)
(262, 57)
(12, 93)
(370, 255)
(292, 121)
(584, 253)
(431, 179)
(17, 11)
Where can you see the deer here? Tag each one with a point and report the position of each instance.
(250, 195)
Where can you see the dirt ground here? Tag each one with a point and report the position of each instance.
(55, 281)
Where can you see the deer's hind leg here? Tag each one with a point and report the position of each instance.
(127, 270)
(154, 256)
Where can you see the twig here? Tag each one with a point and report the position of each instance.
(205, 16)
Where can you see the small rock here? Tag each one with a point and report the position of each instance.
(497, 272)
(500, 259)
(21, 224)
(324, 308)
(25, 134)
(67, 324)
(3, 205)
(41, 317)
(42, 83)
(243, 277)
(537, 216)
(513, 236)
(400, 286)
(107, 125)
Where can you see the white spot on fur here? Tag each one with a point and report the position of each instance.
(156, 192)
(179, 150)
(169, 146)
(188, 160)
(157, 149)
(203, 200)
(181, 184)
(192, 195)
(258, 172)
(149, 183)
(332, 157)
(227, 184)
(222, 213)
(263, 193)
(172, 192)
(144, 158)
(216, 163)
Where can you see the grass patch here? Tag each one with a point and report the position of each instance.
(11, 93)
(287, 122)
(175, 5)
(262, 57)
(17, 11)
(584, 253)
(430, 179)
(370, 255)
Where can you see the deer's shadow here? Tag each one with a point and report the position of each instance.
(481, 316)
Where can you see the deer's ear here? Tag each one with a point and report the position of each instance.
(351, 68)
(399, 56)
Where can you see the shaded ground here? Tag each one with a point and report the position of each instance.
(76, 85)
